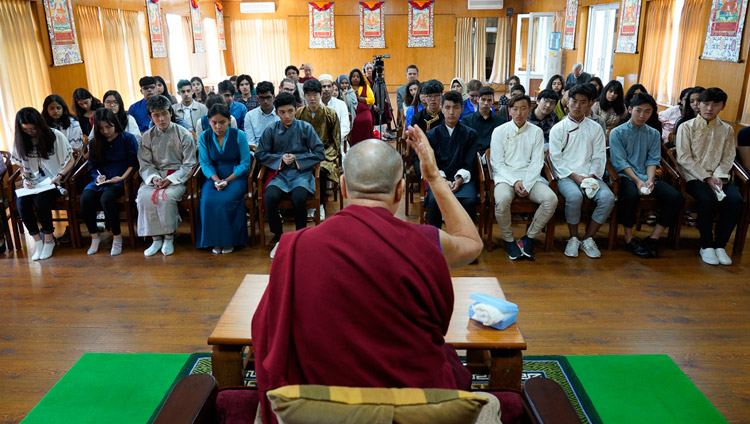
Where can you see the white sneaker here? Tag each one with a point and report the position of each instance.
(153, 249)
(311, 213)
(38, 245)
(168, 247)
(571, 249)
(216, 250)
(273, 251)
(322, 213)
(709, 256)
(590, 249)
(226, 250)
(47, 249)
(723, 257)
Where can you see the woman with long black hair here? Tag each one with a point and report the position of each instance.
(611, 105)
(85, 104)
(362, 126)
(57, 115)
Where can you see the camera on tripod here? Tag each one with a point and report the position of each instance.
(379, 65)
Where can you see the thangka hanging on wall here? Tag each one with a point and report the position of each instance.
(371, 25)
(155, 29)
(569, 32)
(195, 21)
(220, 25)
(62, 32)
(321, 25)
(724, 33)
(421, 24)
(630, 18)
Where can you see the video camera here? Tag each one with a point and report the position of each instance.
(379, 65)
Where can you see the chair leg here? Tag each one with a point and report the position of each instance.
(261, 224)
(612, 230)
(549, 238)
(740, 234)
(131, 227)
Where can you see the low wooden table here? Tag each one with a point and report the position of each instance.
(500, 351)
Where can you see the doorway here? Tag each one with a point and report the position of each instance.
(600, 40)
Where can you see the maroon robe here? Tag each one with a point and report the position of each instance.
(362, 300)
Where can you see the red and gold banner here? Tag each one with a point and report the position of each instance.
(630, 18)
(724, 32)
(321, 25)
(421, 24)
(195, 21)
(62, 32)
(569, 31)
(220, 25)
(371, 25)
(156, 29)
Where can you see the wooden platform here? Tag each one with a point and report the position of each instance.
(54, 311)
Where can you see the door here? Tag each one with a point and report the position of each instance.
(600, 39)
(533, 32)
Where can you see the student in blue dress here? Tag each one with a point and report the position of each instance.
(113, 155)
(225, 160)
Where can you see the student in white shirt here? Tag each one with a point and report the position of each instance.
(578, 152)
(342, 111)
(516, 160)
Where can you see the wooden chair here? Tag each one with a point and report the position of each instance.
(313, 201)
(740, 178)
(519, 207)
(251, 199)
(587, 207)
(5, 199)
(78, 182)
(63, 203)
(413, 181)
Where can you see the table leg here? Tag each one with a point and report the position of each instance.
(506, 367)
(226, 365)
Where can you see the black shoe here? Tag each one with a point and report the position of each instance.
(276, 238)
(65, 238)
(527, 247)
(651, 245)
(635, 248)
(514, 252)
(474, 262)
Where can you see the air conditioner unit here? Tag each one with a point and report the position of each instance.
(259, 7)
(485, 4)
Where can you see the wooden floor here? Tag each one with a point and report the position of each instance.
(54, 311)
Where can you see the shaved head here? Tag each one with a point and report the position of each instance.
(372, 168)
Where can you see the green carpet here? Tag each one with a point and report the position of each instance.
(642, 389)
(109, 388)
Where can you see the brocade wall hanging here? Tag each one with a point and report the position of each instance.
(724, 33)
(630, 18)
(321, 25)
(569, 31)
(220, 25)
(421, 24)
(155, 29)
(62, 32)
(371, 25)
(195, 21)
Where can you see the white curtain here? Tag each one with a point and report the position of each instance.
(215, 67)
(464, 59)
(180, 60)
(500, 62)
(269, 36)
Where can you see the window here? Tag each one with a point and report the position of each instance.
(532, 58)
(600, 40)
(180, 60)
(491, 41)
(214, 57)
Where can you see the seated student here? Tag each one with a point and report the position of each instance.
(348, 96)
(246, 93)
(113, 101)
(418, 102)
(556, 83)
(287, 85)
(632, 91)
(589, 113)
(113, 153)
(705, 154)
(292, 148)
(292, 72)
(331, 101)
(55, 112)
(189, 110)
(517, 158)
(561, 109)
(163, 90)
(85, 105)
(578, 152)
(410, 93)
(42, 152)
(512, 81)
(483, 121)
(611, 106)
(432, 115)
(362, 125)
(543, 115)
(455, 147)
(392, 318)
(458, 85)
(225, 161)
(138, 109)
(326, 124)
(167, 157)
(669, 116)
(692, 109)
(260, 118)
(635, 150)
(471, 104)
(597, 83)
(236, 109)
(199, 90)
(503, 112)
(211, 100)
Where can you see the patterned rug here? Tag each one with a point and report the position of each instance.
(555, 368)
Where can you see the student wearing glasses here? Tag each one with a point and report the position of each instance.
(138, 109)
(260, 118)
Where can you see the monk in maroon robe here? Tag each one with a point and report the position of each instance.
(365, 299)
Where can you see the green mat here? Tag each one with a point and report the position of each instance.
(642, 389)
(109, 388)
